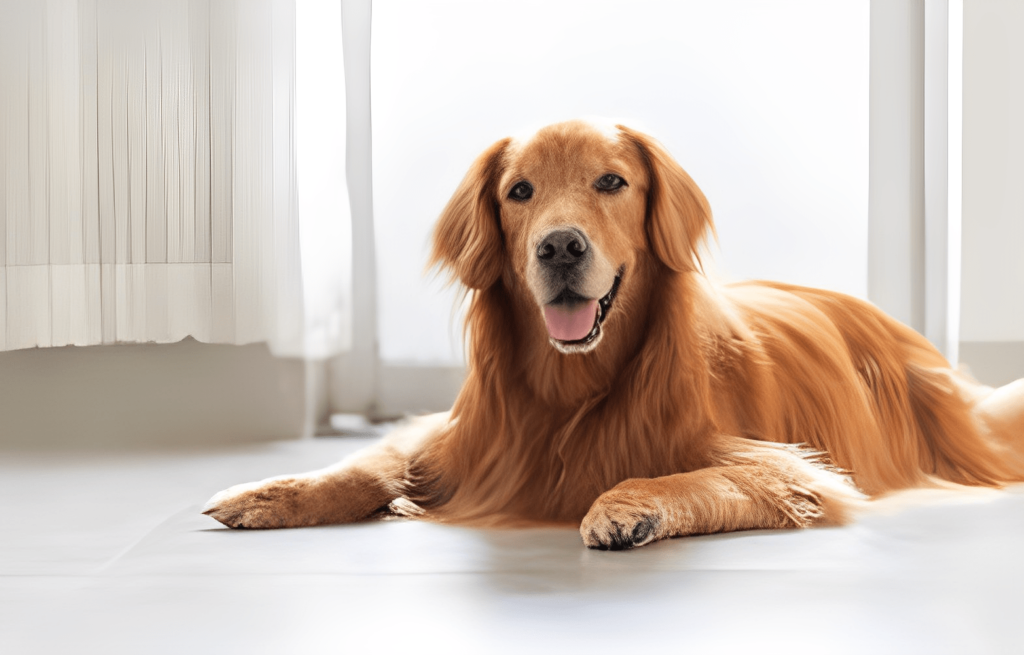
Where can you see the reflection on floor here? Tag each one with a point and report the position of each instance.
(109, 554)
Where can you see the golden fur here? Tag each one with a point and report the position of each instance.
(697, 409)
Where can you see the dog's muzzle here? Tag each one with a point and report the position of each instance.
(572, 310)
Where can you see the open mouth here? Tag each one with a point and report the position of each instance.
(569, 316)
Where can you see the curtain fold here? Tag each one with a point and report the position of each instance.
(148, 174)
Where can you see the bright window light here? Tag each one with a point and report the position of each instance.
(764, 103)
(324, 220)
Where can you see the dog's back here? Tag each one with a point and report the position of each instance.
(835, 372)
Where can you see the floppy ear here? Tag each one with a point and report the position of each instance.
(468, 239)
(678, 214)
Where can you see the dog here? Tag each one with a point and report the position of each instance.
(612, 386)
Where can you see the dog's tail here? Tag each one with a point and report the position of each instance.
(975, 441)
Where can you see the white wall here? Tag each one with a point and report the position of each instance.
(993, 171)
(896, 229)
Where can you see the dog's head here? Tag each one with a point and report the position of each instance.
(569, 214)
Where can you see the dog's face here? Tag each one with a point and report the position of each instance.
(568, 214)
(572, 202)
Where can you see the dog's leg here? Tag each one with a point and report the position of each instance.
(756, 485)
(1002, 412)
(349, 491)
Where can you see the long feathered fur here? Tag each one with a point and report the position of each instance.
(539, 435)
(703, 408)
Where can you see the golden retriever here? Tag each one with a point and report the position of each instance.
(612, 386)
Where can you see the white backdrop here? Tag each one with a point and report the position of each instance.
(764, 103)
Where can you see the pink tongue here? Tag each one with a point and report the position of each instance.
(573, 324)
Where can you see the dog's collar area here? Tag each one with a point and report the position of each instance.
(604, 305)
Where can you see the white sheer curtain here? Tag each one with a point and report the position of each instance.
(149, 181)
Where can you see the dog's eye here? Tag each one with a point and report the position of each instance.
(609, 182)
(521, 191)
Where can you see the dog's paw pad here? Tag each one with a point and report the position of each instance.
(619, 537)
(611, 525)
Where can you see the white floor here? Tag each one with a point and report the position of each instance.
(107, 553)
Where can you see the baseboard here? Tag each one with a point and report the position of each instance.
(417, 389)
(186, 393)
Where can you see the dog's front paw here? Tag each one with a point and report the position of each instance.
(273, 503)
(624, 517)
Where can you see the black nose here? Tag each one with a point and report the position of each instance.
(562, 246)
